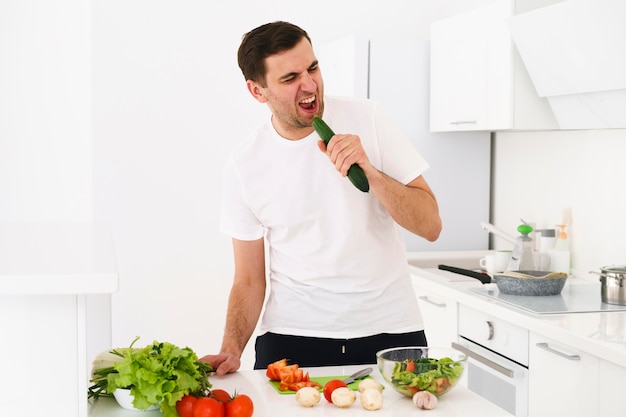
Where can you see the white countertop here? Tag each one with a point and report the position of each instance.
(600, 334)
(56, 258)
(460, 402)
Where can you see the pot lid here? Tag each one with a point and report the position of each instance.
(618, 269)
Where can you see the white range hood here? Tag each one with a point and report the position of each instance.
(574, 54)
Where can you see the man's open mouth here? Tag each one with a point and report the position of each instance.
(308, 103)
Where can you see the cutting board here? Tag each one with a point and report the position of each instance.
(322, 380)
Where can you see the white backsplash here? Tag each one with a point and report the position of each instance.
(538, 174)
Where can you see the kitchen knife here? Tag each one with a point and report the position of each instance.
(484, 278)
(357, 375)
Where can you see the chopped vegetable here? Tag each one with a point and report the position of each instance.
(426, 374)
(296, 386)
(291, 377)
(272, 369)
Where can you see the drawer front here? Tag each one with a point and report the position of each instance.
(500, 336)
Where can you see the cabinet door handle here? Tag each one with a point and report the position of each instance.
(429, 301)
(463, 122)
(489, 363)
(547, 347)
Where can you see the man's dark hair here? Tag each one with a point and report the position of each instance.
(266, 40)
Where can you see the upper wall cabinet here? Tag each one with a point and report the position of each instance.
(574, 52)
(477, 79)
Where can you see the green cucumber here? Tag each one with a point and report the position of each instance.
(355, 173)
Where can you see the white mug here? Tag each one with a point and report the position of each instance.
(488, 263)
(502, 259)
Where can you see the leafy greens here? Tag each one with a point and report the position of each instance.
(427, 374)
(158, 374)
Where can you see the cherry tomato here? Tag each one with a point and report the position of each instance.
(330, 386)
(240, 406)
(208, 407)
(220, 395)
(184, 407)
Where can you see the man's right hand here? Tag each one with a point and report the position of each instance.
(222, 363)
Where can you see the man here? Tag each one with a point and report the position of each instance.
(340, 287)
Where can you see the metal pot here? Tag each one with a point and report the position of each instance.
(613, 280)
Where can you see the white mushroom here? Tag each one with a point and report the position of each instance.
(370, 383)
(343, 397)
(425, 400)
(371, 399)
(307, 396)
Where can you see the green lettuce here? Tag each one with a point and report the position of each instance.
(158, 374)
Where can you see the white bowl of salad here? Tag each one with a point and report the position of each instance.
(411, 369)
(125, 399)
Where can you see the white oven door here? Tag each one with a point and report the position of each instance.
(496, 378)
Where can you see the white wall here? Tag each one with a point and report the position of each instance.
(45, 111)
(537, 174)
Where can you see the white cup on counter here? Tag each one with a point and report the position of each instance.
(488, 263)
(502, 259)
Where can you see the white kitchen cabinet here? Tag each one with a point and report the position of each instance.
(440, 316)
(477, 79)
(563, 381)
(612, 379)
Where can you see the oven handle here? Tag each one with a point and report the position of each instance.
(491, 364)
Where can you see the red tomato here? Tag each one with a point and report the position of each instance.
(208, 407)
(330, 386)
(220, 395)
(297, 385)
(240, 406)
(272, 369)
(184, 407)
(290, 374)
(410, 366)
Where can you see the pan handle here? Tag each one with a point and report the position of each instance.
(484, 278)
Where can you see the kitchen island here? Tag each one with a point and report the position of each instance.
(460, 402)
(56, 280)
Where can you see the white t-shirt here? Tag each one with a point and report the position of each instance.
(337, 260)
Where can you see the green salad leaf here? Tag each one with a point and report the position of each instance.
(427, 374)
(158, 374)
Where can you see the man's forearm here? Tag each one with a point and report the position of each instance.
(243, 313)
(412, 206)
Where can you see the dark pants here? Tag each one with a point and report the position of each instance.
(315, 351)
